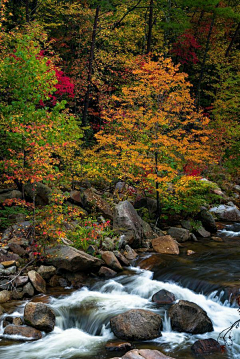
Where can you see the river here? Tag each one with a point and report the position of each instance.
(82, 317)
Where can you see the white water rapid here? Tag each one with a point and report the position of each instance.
(82, 326)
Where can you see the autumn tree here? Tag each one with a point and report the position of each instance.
(152, 129)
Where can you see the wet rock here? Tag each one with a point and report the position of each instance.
(111, 260)
(188, 317)
(39, 316)
(165, 244)
(71, 259)
(202, 232)
(163, 297)
(12, 320)
(2, 310)
(46, 272)
(106, 272)
(129, 253)
(17, 294)
(144, 354)
(206, 346)
(126, 221)
(190, 252)
(137, 324)
(43, 193)
(24, 331)
(63, 282)
(5, 296)
(118, 346)
(217, 239)
(37, 281)
(17, 249)
(28, 290)
(227, 212)
(207, 220)
(93, 199)
(180, 234)
(121, 258)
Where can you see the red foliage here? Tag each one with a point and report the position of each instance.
(191, 170)
(185, 48)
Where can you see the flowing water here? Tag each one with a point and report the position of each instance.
(82, 326)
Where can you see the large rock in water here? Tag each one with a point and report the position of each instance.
(206, 346)
(127, 222)
(71, 259)
(227, 212)
(165, 244)
(144, 354)
(137, 324)
(188, 317)
(180, 234)
(207, 220)
(163, 297)
(39, 316)
(24, 331)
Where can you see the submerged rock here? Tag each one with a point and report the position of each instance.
(23, 331)
(163, 296)
(206, 346)
(144, 354)
(39, 316)
(137, 324)
(118, 346)
(188, 317)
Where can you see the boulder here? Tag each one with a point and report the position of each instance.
(127, 222)
(207, 220)
(226, 212)
(2, 310)
(206, 346)
(165, 244)
(8, 256)
(12, 320)
(202, 232)
(46, 272)
(17, 231)
(39, 316)
(93, 199)
(106, 272)
(28, 290)
(111, 260)
(8, 271)
(24, 331)
(121, 258)
(144, 354)
(188, 317)
(9, 194)
(43, 193)
(71, 259)
(5, 296)
(180, 234)
(17, 249)
(21, 280)
(137, 324)
(163, 297)
(129, 253)
(37, 281)
(146, 203)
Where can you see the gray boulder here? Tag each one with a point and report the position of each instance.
(9, 194)
(207, 220)
(46, 272)
(71, 259)
(226, 212)
(137, 324)
(39, 316)
(163, 297)
(127, 222)
(180, 234)
(43, 193)
(188, 317)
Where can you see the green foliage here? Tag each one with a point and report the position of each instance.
(189, 194)
(9, 214)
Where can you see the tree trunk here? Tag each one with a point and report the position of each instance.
(27, 11)
(150, 25)
(34, 6)
(90, 67)
(232, 41)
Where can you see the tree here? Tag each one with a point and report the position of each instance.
(152, 128)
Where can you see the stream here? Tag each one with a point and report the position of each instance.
(82, 329)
